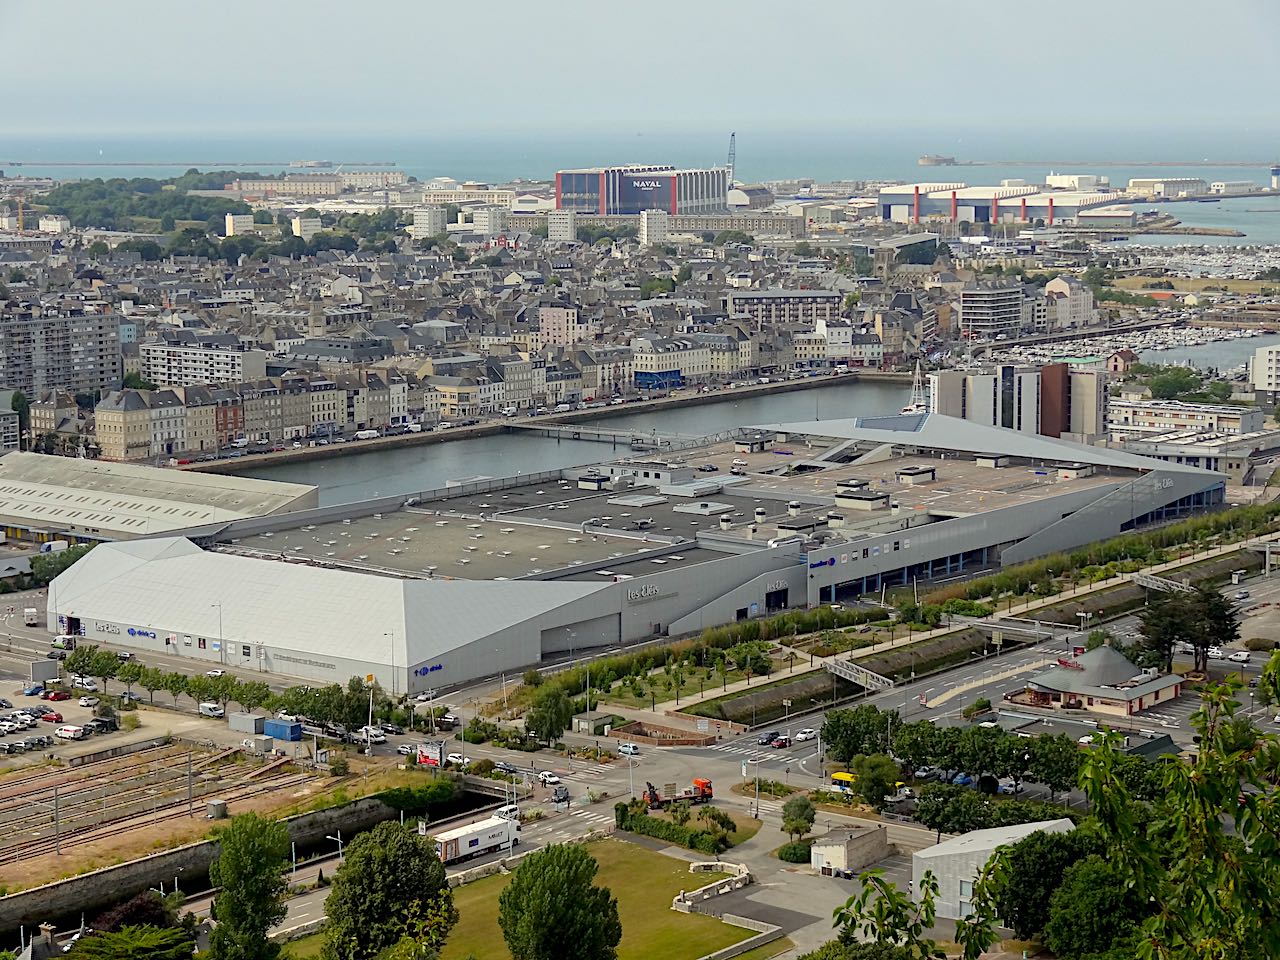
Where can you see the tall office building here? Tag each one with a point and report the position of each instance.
(988, 310)
(1055, 400)
(638, 187)
(654, 227)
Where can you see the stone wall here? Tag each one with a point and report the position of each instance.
(687, 901)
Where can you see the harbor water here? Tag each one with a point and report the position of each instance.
(411, 469)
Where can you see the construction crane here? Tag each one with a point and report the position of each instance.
(733, 155)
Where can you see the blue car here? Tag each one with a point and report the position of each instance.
(34, 690)
(962, 780)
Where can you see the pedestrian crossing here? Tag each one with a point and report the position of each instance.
(595, 818)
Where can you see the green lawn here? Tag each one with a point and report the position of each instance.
(308, 948)
(696, 682)
(644, 883)
(768, 951)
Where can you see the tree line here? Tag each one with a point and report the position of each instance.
(389, 900)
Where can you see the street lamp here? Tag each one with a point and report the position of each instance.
(338, 838)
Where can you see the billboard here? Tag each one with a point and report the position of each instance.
(431, 754)
(646, 191)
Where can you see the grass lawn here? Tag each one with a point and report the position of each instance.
(644, 883)
(655, 692)
(308, 948)
(768, 950)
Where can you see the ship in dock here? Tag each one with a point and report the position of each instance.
(936, 160)
(312, 164)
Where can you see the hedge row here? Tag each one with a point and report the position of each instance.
(641, 823)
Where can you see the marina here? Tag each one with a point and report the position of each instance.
(1167, 345)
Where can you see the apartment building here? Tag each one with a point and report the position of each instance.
(1052, 401)
(79, 353)
(50, 409)
(655, 225)
(429, 222)
(459, 397)
(990, 311)
(491, 220)
(805, 307)
(294, 185)
(566, 326)
(1163, 416)
(562, 226)
(662, 364)
(1073, 303)
(372, 179)
(606, 370)
(183, 358)
(515, 375)
(305, 227)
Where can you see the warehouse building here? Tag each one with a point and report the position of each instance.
(495, 575)
(44, 498)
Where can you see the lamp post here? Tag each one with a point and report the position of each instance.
(338, 838)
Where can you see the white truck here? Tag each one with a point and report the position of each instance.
(367, 434)
(31, 616)
(483, 836)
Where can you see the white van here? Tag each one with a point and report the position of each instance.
(211, 710)
(31, 617)
(70, 732)
(510, 812)
(240, 442)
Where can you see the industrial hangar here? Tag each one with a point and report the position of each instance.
(495, 575)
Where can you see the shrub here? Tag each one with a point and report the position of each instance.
(794, 852)
(978, 707)
(130, 721)
(1259, 643)
(641, 823)
(338, 766)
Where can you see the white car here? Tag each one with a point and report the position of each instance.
(458, 760)
(287, 717)
(1217, 653)
(88, 701)
(371, 735)
(1239, 656)
(547, 778)
(84, 683)
(629, 750)
(215, 673)
(407, 749)
(808, 733)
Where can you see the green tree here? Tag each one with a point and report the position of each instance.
(251, 694)
(552, 908)
(129, 674)
(1055, 762)
(684, 274)
(134, 380)
(80, 661)
(105, 665)
(20, 405)
(45, 567)
(200, 689)
(390, 878)
(881, 913)
(264, 217)
(97, 250)
(153, 679)
(249, 869)
(1173, 383)
(1031, 871)
(550, 715)
(175, 684)
(913, 743)
(681, 813)
(734, 237)
(1219, 390)
(135, 943)
(798, 814)
(655, 286)
(1092, 912)
(861, 730)
(877, 775)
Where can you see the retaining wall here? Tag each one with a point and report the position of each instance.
(688, 901)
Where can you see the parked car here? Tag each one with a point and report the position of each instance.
(215, 673)
(708, 468)
(56, 695)
(34, 690)
(86, 683)
(458, 760)
(768, 737)
(53, 716)
(88, 701)
(962, 780)
(808, 733)
(370, 735)
(547, 778)
(629, 750)
(503, 767)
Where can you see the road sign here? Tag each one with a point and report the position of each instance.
(422, 828)
(744, 769)
(704, 725)
(786, 703)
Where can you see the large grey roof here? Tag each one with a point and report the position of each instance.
(986, 841)
(1102, 672)
(938, 432)
(339, 613)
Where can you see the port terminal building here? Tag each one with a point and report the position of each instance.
(495, 575)
(957, 202)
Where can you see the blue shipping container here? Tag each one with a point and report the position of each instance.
(280, 730)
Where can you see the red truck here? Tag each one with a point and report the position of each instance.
(699, 792)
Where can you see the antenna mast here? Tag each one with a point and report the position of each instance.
(733, 155)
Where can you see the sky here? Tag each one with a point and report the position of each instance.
(584, 67)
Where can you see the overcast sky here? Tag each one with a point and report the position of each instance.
(401, 68)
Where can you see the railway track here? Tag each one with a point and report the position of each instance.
(44, 780)
(44, 845)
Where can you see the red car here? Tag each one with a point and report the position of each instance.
(53, 716)
(57, 695)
